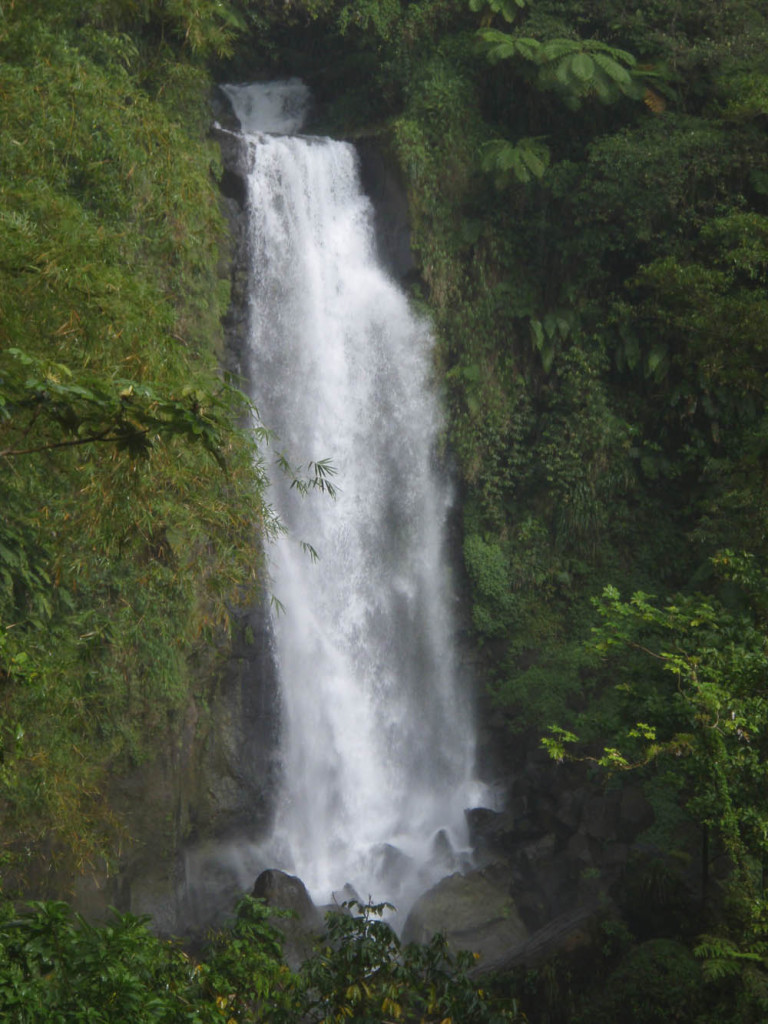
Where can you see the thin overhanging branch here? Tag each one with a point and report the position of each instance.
(105, 437)
(647, 650)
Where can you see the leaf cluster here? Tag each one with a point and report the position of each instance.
(577, 68)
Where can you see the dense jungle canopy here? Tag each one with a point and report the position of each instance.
(588, 186)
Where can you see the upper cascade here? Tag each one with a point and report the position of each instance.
(274, 108)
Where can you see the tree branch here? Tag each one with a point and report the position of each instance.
(90, 439)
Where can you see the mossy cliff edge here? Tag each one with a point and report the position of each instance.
(133, 514)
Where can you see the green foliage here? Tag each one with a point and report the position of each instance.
(243, 975)
(734, 957)
(60, 968)
(705, 728)
(361, 972)
(377, 16)
(489, 571)
(657, 981)
(709, 717)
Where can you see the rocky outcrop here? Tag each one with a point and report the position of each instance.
(564, 838)
(549, 863)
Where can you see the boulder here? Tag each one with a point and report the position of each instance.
(286, 892)
(339, 897)
(391, 864)
(474, 911)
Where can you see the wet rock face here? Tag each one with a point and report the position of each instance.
(206, 792)
(221, 109)
(382, 182)
(491, 833)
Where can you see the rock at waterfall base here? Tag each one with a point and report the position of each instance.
(286, 892)
(474, 911)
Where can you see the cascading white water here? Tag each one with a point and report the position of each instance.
(377, 741)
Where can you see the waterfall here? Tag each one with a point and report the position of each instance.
(377, 744)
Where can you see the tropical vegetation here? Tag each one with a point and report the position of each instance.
(60, 968)
(588, 186)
